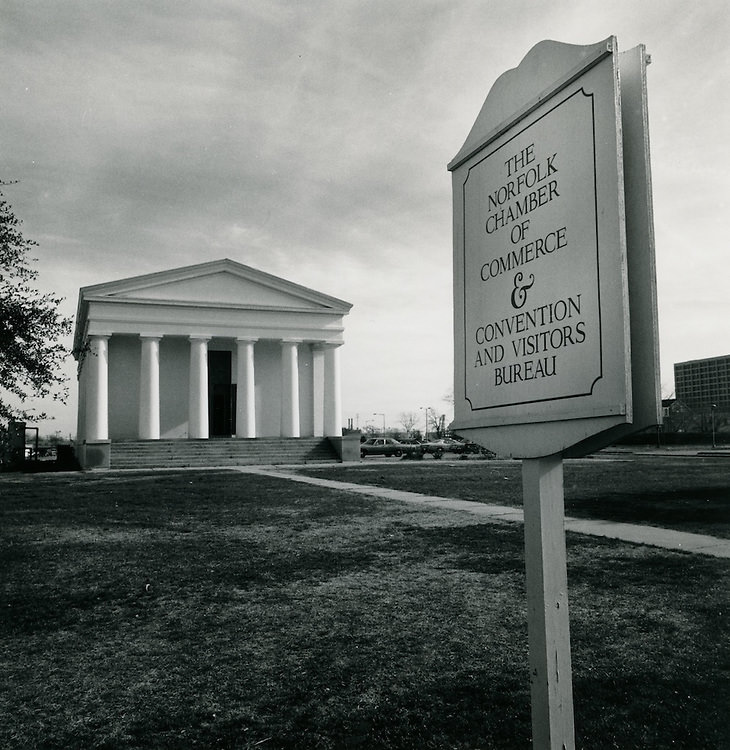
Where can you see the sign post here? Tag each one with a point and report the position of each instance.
(555, 314)
(548, 625)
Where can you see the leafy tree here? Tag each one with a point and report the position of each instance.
(30, 326)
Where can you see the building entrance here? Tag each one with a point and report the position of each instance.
(222, 395)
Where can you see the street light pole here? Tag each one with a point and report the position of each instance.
(712, 411)
(380, 414)
(425, 434)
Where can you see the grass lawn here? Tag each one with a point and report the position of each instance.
(215, 609)
(676, 492)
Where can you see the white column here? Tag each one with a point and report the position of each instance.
(97, 389)
(198, 409)
(149, 388)
(332, 391)
(289, 388)
(245, 390)
(318, 388)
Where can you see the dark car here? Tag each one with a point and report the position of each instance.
(381, 447)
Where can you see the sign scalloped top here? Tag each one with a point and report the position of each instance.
(548, 65)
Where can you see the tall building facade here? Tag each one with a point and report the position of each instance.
(703, 382)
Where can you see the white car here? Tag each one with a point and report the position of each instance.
(446, 445)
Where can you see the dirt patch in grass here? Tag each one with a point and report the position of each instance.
(183, 610)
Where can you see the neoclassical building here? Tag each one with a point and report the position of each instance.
(216, 349)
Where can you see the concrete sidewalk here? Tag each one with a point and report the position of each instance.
(626, 532)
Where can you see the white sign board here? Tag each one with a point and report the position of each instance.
(542, 324)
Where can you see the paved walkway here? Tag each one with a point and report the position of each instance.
(626, 532)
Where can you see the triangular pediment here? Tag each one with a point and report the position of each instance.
(219, 283)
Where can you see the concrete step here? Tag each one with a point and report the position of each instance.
(219, 452)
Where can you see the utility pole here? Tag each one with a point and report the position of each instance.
(380, 414)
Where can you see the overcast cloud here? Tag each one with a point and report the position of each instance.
(310, 140)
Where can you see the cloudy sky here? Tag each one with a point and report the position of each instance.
(310, 138)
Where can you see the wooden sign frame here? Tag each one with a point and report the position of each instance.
(554, 307)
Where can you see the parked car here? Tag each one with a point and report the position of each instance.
(437, 448)
(382, 447)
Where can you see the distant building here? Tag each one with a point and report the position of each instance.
(677, 417)
(702, 383)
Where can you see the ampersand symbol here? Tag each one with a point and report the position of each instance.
(519, 293)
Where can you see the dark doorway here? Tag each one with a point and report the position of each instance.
(222, 398)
